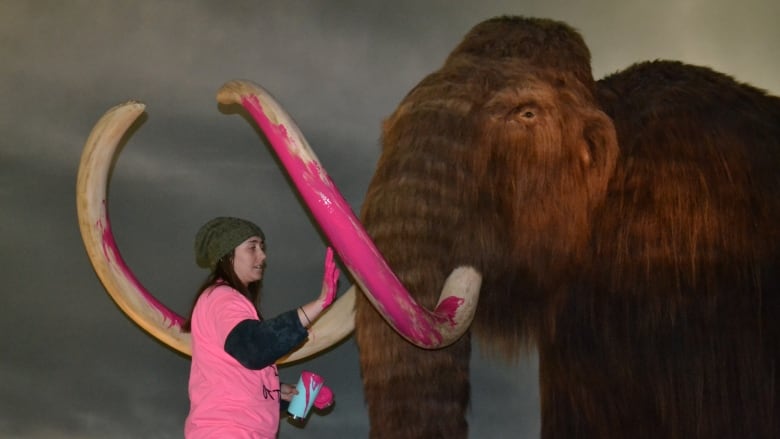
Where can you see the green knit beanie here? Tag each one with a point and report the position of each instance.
(219, 236)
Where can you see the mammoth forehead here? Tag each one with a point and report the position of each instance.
(469, 97)
(514, 95)
(540, 43)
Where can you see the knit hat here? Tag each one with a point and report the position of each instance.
(219, 236)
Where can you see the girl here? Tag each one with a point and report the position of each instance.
(234, 385)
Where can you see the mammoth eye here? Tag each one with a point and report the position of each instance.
(523, 113)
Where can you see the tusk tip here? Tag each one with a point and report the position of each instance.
(131, 105)
(232, 91)
(465, 275)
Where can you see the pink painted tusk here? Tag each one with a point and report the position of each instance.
(421, 327)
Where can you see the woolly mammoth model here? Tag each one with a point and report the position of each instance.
(625, 228)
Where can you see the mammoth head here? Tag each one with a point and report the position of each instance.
(504, 147)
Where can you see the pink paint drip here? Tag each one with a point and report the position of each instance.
(351, 241)
(111, 252)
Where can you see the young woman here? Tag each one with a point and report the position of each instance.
(234, 386)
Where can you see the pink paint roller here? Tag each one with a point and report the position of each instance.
(312, 391)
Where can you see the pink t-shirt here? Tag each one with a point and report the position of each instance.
(227, 400)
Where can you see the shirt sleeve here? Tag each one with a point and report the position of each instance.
(257, 344)
(227, 308)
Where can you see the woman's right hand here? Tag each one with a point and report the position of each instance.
(309, 312)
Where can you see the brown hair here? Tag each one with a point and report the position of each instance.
(224, 274)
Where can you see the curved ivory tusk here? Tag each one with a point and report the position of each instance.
(120, 282)
(424, 328)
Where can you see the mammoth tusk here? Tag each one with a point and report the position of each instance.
(424, 328)
(117, 278)
(119, 281)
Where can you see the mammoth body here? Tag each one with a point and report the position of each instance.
(625, 228)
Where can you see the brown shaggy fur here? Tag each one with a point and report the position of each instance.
(626, 228)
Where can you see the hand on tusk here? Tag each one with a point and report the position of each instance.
(309, 312)
(330, 280)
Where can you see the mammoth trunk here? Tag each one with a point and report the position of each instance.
(411, 212)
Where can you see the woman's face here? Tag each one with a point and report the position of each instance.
(249, 260)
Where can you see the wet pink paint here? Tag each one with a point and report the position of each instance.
(351, 241)
(111, 252)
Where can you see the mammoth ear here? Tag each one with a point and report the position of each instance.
(599, 152)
